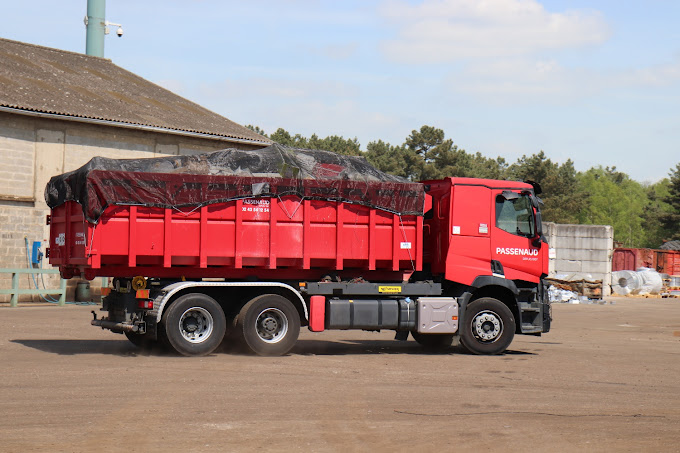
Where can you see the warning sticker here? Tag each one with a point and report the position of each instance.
(389, 289)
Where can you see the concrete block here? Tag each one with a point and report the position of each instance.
(582, 254)
(583, 231)
(580, 243)
(596, 267)
(566, 266)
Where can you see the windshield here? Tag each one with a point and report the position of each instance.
(515, 216)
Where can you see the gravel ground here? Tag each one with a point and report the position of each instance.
(605, 379)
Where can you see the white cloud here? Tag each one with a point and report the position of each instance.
(449, 30)
(524, 81)
(520, 80)
(660, 75)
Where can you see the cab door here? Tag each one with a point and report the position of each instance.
(515, 242)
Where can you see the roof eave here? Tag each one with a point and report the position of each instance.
(141, 127)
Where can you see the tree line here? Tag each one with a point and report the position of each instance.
(643, 215)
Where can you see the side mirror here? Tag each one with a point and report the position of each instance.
(537, 187)
(539, 239)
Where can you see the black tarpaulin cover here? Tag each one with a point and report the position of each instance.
(221, 176)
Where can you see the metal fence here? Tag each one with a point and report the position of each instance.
(15, 292)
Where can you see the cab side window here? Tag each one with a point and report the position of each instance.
(515, 216)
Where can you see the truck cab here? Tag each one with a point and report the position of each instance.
(483, 239)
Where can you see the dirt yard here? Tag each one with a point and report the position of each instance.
(607, 378)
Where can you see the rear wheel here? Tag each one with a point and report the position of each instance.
(488, 328)
(269, 325)
(432, 341)
(194, 324)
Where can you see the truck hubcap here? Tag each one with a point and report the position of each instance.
(487, 326)
(271, 325)
(196, 325)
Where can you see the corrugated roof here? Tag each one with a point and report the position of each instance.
(45, 80)
(671, 245)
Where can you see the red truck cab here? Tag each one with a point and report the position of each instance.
(484, 238)
(472, 223)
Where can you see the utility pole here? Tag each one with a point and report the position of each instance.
(95, 21)
(97, 28)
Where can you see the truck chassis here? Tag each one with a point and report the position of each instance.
(194, 317)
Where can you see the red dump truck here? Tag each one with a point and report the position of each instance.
(249, 246)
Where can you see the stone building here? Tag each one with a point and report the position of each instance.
(59, 109)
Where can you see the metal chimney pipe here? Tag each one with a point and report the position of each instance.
(95, 22)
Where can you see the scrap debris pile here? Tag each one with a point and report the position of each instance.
(582, 289)
(576, 288)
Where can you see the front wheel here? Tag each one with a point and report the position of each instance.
(194, 324)
(269, 324)
(488, 327)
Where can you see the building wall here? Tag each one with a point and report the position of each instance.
(34, 149)
(582, 249)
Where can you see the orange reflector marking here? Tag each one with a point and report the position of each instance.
(142, 294)
(454, 318)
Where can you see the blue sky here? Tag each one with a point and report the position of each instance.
(594, 81)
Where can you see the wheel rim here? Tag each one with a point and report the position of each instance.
(487, 326)
(271, 325)
(196, 324)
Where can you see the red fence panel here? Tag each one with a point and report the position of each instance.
(662, 261)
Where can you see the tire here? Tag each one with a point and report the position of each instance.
(194, 324)
(269, 325)
(433, 342)
(488, 327)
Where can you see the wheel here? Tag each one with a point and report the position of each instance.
(194, 324)
(269, 325)
(141, 341)
(433, 341)
(488, 327)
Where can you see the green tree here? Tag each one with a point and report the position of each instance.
(612, 198)
(437, 156)
(561, 195)
(395, 160)
(654, 212)
(256, 129)
(338, 144)
(334, 143)
(428, 142)
(488, 168)
(671, 220)
(283, 137)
